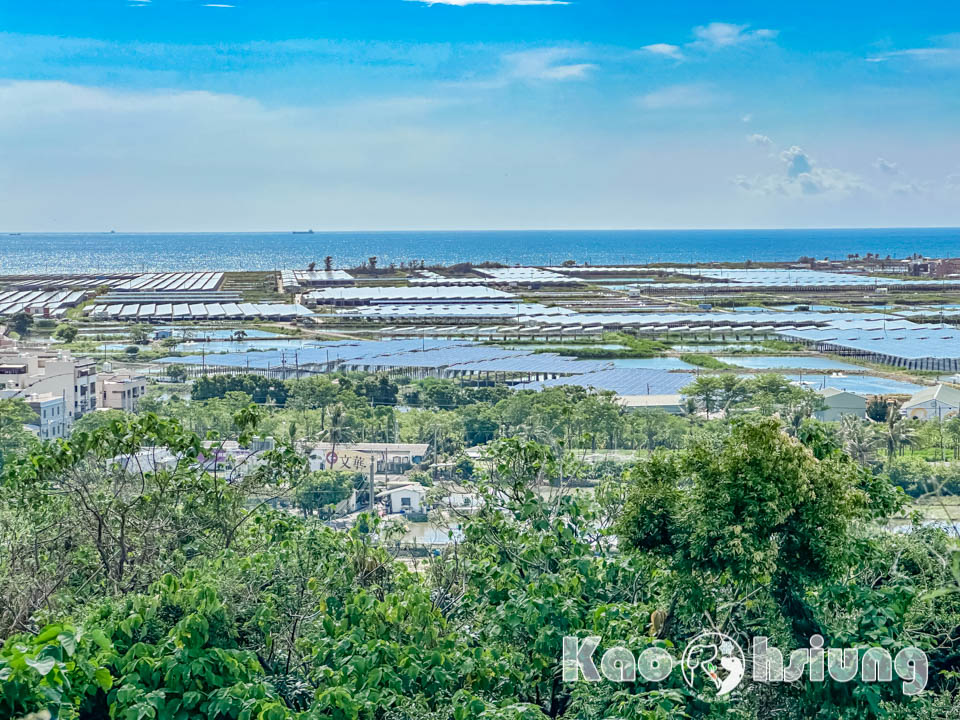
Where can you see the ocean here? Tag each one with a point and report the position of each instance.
(146, 252)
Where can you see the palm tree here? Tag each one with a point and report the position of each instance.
(898, 434)
(859, 442)
(239, 335)
(328, 263)
(337, 428)
(953, 431)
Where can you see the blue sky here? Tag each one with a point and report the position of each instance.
(342, 114)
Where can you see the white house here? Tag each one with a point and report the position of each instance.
(840, 403)
(404, 498)
(458, 497)
(941, 402)
(148, 460)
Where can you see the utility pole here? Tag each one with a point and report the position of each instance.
(373, 470)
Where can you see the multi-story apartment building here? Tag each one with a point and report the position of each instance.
(121, 390)
(51, 413)
(55, 373)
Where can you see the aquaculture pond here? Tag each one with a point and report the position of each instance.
(861, 384)
(657, 363)
(801, 362)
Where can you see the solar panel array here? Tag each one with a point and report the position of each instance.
(893, 339)
(52, 303)
(88, 282)
(159, 311)
(857, 384)
(319, 353)
(395, 295)
(701, 320)
(775, 278)
(467, 358)
(198, 296)
(453, 356)
(599, 269)
(174, 282)
(526, 275)
(294, 279)
(440, 281)
(484, 310)
(623, 381)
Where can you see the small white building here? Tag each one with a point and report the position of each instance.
(840, 403)
(939, 402)
(404, 498)
(671, 403)
(458, 497)
(51, 413)
(148, 460)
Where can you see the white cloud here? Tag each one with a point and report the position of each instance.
(545, 64)
(175, 160)
(801, 176)
(797, 162)
(464, 3)
(886, 166)
(679, 97)
(760, 140)
(748, 118)
(718, 34)
(948, 56)
(910, 187)
(953, 181)
(710, 37)
(901, 184)
(664, 49)
(180, 160)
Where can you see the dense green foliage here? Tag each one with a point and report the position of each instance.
(136, 585)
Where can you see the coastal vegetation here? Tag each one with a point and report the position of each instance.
(704, 361)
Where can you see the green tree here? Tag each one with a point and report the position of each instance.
(706, 391)
(65, 332)
(101, 419)
(859, 439)
(756, 513)
(141, 334)
(14, 414)
(320, 492)
(21, 323)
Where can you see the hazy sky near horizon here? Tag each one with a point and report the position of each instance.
(166, 115)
